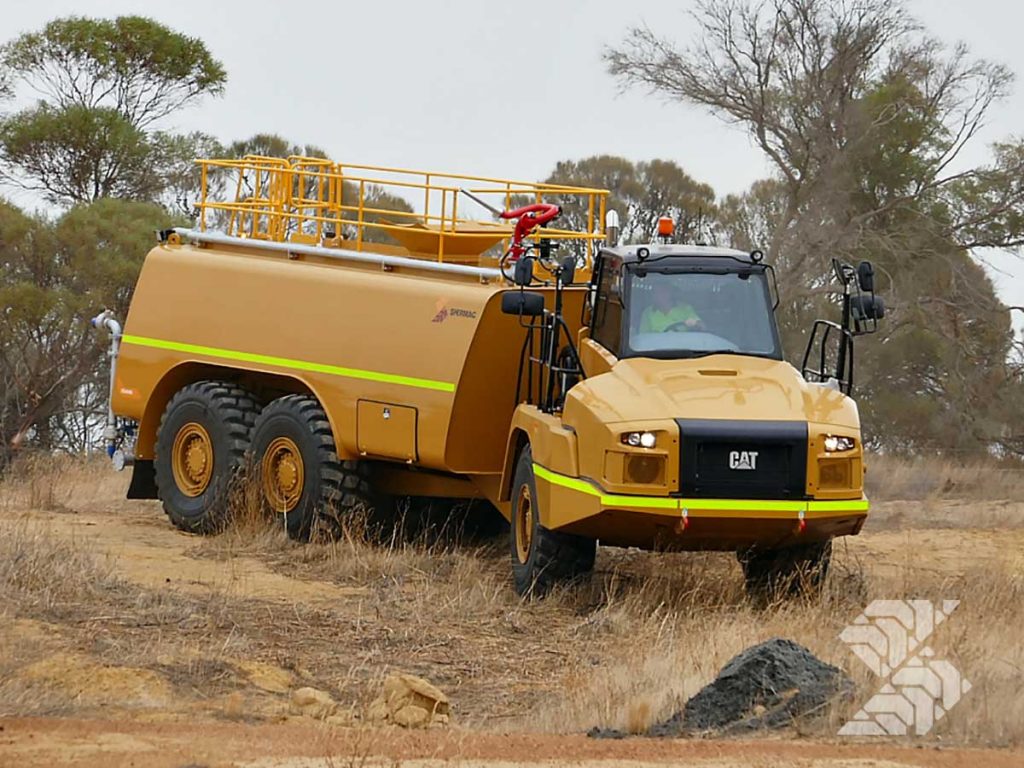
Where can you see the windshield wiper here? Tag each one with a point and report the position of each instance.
(692, 354)
(706, 353)
(702, 353)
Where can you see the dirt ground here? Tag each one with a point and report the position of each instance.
(36, 743)
(164, 649)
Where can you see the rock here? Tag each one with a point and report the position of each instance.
(313, 703)
(410, 702)
(766, 686)
(411, 716)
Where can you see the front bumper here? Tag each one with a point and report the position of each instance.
(579, 506)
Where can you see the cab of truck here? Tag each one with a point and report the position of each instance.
(681, 302)
(678, 424)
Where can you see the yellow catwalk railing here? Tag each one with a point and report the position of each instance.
(423, 213)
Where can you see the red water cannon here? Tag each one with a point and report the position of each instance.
(528, 218)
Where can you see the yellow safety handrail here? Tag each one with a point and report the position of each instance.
(421, 213)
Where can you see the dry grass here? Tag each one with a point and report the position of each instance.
(662, 655)
(892, 478)
(648, 631)
(622, 651)
(57, 482)
(62, 601)
(43, 574)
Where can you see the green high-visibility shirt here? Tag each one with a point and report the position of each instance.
(653, 320)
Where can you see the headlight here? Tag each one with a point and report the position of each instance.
(639, 439)
(839, 443)
(645, 469)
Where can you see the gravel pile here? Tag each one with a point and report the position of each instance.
(766, 686)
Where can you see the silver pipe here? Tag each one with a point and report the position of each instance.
(216, 238)
(480, 202)
(106, 319)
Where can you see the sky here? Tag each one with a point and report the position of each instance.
(486, 88)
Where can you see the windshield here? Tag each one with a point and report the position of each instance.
(687, 314)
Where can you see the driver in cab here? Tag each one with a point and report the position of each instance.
(668, 311)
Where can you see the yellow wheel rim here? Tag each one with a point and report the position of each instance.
(283, 474)
(192, 459)
(524, 523)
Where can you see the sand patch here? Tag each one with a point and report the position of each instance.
(85, 682)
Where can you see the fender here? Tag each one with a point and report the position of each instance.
(190, 371)
(553, 444)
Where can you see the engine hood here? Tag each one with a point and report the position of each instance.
(713, 387)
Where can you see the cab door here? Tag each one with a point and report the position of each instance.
(600, 351)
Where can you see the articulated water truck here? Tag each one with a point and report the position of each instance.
(491, 340)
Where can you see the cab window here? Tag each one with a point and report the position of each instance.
(678, 314)
(607, 324)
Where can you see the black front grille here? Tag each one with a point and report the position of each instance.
(743, 459)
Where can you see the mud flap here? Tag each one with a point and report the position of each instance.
(143, 485)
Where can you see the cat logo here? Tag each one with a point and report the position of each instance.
(742, 459)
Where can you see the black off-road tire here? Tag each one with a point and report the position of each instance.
(227, 413)
(364, 508)
(552, 557)
(786, 572)
(332, 489)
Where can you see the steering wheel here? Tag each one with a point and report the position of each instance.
(683, 325)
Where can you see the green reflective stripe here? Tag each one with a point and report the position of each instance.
(284, 362)
(567, 482)
(709, 505)
(855, 505)
(744, 506)
(606, 499)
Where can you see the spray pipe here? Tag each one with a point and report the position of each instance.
(106, 319)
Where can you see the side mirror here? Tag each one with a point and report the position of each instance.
(521, 303)
(866, 276)
(568, 270)
(867, 307)
(523, 274)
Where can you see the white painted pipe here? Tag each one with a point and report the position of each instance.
(216, 238)
(106, 319)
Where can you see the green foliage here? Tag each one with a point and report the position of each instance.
(272, 145)
(101, 247)
(180, 175)
(749, 220)
(134, 65)
(639, 192)
(983, 207)
(862, 116)
(77, 154)
(104, 84)
(54, 276)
